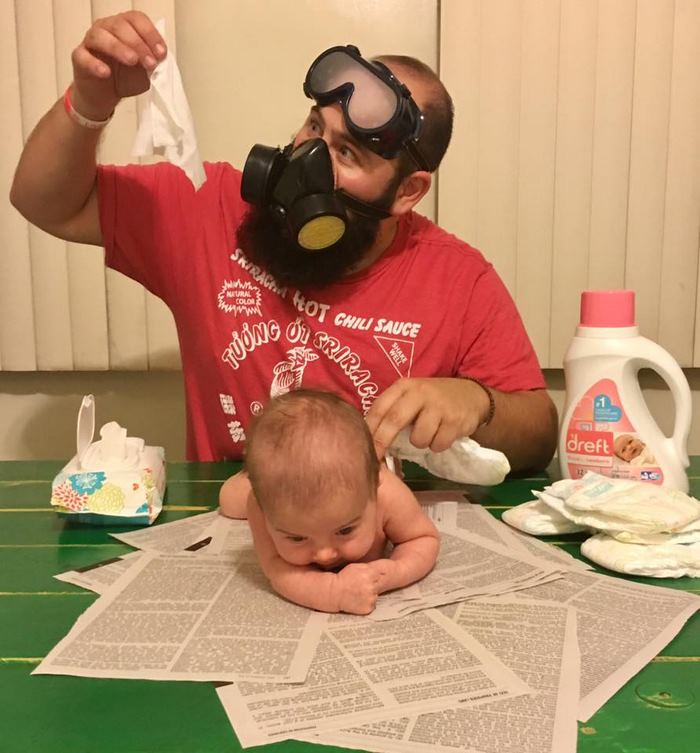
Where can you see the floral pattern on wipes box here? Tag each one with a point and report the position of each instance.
(122, 493)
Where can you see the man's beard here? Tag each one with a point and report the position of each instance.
(267, 243)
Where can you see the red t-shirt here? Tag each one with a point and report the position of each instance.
(430, 306)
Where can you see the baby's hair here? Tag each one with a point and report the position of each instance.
(308, 445)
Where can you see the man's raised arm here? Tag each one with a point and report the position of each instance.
(54, 184)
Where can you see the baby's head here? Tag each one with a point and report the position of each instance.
(627, 447)
(314, 472)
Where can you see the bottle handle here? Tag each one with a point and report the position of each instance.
(667, 368)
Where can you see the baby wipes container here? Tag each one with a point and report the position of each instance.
(606, 426)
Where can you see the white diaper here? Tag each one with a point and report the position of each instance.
(689, 534)
(656, 560)
(619, 505)
(538, 519)
(466, 462)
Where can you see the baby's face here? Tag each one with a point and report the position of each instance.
(628, 447)
(333, 534)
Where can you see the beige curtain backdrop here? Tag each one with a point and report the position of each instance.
(242, 63)
(575, 163)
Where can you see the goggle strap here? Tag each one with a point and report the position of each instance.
(416, 155)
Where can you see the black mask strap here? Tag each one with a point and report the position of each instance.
(362, 207)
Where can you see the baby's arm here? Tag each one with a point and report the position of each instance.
(233, 496)
(415, 538)
(354, 589)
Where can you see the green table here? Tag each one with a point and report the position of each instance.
(656, 712)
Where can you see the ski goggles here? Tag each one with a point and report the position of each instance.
(379, 110)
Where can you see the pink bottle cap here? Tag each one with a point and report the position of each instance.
(607, 308)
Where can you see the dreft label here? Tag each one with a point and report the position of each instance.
(602, 439)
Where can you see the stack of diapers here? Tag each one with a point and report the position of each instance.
(116, 480)
(466, 462)
(640, 529)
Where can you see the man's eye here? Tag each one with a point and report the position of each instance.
(347, 153)
(346, 531)
(314, 126)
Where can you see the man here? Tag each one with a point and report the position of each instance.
(408, 323)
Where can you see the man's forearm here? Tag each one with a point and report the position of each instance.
(56, 172)
(524, 428)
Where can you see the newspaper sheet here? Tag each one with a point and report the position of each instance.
(100, 576)
(467, 567)
(170, 537)
(477, 520)
(538, 641)
(551, 552)
(196, 533)
(189, 617)
(441, 507)
(366, 671)
(621, 627)
(232, 537)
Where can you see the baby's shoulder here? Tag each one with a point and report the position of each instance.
(392, 494)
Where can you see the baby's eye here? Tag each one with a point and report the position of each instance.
(346, 531)
(296, 539)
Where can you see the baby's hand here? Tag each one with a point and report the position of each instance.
(359, 587)
(384, 570)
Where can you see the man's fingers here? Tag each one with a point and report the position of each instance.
(102, 42)
(85, 61)
(383, 404)
(123, 30)
(148, 33)
(401, 414)
(396, 408)
(128, 38)
(444, 437)
(425, 428)
(380, 449)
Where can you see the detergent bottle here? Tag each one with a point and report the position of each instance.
(606, 425)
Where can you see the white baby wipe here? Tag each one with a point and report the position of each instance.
(465, 462)
(656, 560)
(166, 127)
(115, 480)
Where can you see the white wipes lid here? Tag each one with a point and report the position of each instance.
(86, 426)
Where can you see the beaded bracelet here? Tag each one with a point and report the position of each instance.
(81, 120)
(492, 402)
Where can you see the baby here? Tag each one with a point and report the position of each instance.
(632, 450)
(322, 509)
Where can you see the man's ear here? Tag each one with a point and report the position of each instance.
(412, 189)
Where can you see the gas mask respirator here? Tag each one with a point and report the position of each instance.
(298, 184)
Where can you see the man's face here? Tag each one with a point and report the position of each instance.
(357, 171)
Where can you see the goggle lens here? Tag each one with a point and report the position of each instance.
(370, 103)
